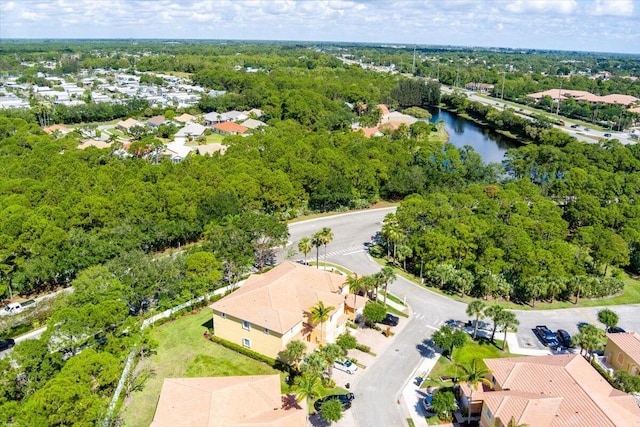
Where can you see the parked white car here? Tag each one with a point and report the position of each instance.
(345, 365)
(15, 307)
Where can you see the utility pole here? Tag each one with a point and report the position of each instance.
(559, 95)
(504, 76)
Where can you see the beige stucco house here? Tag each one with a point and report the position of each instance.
(623, 352)
(272, 309)
(551, 391)
(242, 401)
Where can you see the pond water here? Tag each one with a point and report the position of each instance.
(490, 145)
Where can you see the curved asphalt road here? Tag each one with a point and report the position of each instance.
(377, 389)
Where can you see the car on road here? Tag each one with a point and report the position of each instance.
(607, 135)
(390, 320)
(586, 129)
(344, 399)
(564, 338)
(345, 365)
(546, 336)
(6, 344)
(615, 330)
(574, 126)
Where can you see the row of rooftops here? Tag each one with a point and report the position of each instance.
(581, 95)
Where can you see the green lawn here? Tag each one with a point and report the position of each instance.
(471, 350)
(183, 352)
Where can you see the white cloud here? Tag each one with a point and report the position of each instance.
(542, 6)
(613, 8)
(563, 24)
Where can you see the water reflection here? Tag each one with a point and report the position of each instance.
(490, 145)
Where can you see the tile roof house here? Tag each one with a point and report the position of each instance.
(184, 118)
(192, 130)
(126, 125)
(156, 121)
(623, 351)
(253, 124)
(213, 117)
(63, 130)
(552, 391)
(227, 402)
(581, 95)
(274, 308)
(235, 116)
(209, 149)
(229, 128)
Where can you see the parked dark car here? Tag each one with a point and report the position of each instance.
(615, 330)
(344, 399)
(607, 135)
(564, 338)
(546, 336)
(575, 126)
(6, 344)
(390, 320)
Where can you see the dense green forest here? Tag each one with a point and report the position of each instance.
(559, 219)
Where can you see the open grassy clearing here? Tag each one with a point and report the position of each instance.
(480, 350)
(184, 352)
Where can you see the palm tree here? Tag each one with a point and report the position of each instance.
(514, 423)
(387, 276)
(305, 246)
(306, 386)
(473, 374)
(508, 321)
(494, 312)
(331, 353)
(355, 284)
(316, 241)
(295, 352)
(555, 286)
(590, 338)
(326, 236)
(476, 308)
(320, 314)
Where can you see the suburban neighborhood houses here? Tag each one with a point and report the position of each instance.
(272, 309)
(481, 245)
(559, 390)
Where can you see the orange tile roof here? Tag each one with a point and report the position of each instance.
(587, 399)
(369, 132)
(218, 401)
(278, 299)
(51, 129)
(230, 127)
(629, 342)
(581, 95)
(383, 109)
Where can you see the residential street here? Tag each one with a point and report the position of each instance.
(379, 387)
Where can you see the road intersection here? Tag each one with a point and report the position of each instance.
(378, 388)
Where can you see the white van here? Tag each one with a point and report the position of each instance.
(14, 307)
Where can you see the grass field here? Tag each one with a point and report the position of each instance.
(471, 350)
(183, 352)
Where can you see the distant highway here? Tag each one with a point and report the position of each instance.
(584, 134)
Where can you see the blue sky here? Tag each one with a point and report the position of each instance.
(586, 25)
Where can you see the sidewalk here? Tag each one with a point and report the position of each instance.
(412, 394)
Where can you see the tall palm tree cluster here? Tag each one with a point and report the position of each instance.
(371, 283)
(320, 238)
(501, 318)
